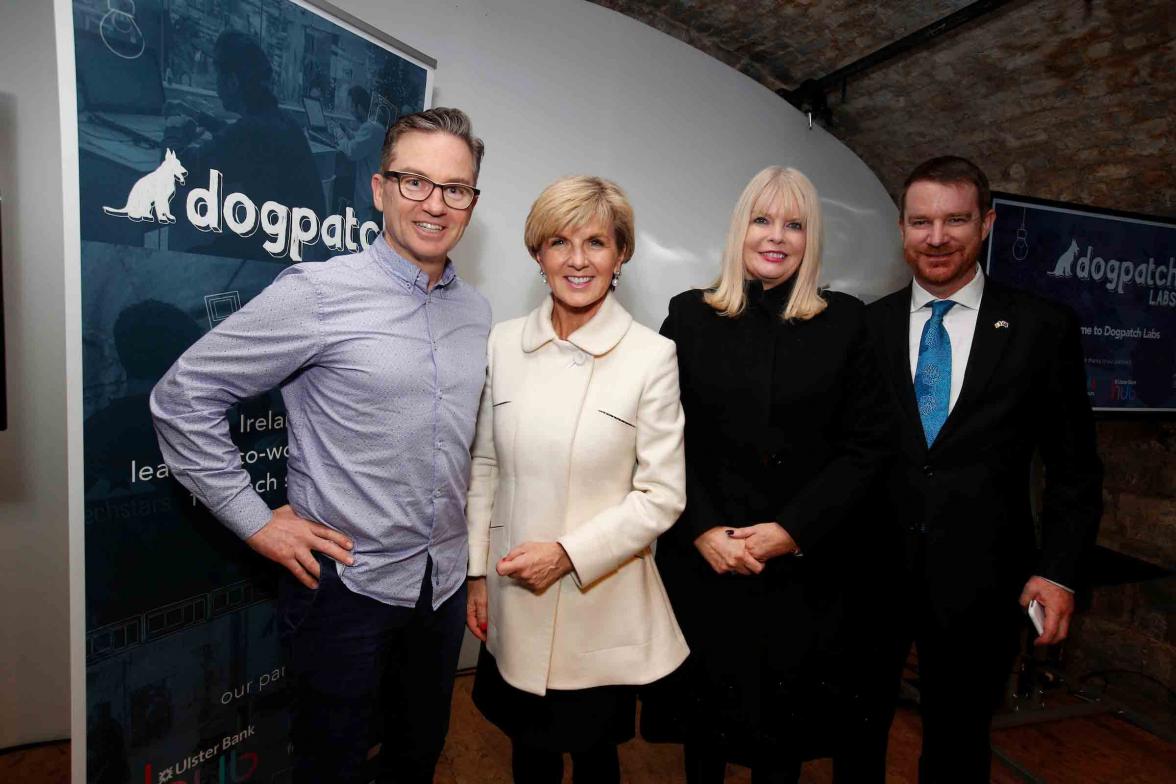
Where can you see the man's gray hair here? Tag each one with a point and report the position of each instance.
(441, 118)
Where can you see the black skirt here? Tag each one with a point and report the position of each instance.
(571, 721)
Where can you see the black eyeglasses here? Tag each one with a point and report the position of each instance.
(416, 187)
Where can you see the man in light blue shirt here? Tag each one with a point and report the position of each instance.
(380, 358)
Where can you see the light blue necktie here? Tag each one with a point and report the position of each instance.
(933, 371)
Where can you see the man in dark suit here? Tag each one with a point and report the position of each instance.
(980, 377)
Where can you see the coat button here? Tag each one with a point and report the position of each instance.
(928, 471)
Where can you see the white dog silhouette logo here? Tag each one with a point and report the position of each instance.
(153, 192)
(1065, 262)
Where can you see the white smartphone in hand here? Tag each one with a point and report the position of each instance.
(1037, 615)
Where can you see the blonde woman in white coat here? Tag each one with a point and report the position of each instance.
(577, 468)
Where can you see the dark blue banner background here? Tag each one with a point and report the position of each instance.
(1118, 272)
(212, 154)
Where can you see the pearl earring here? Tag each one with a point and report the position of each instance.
(543, 274)
(616, 278)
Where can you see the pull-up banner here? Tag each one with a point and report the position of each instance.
(218, 143)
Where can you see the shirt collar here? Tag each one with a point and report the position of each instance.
(969, 296)
(405, 271)
(599, 336)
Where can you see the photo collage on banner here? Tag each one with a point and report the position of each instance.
(219, 142)
(1118, 272)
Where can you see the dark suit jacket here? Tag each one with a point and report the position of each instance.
(963, 505)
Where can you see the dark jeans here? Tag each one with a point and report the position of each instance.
(356, 664)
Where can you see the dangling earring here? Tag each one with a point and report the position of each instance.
(616, 278)
(543, 274)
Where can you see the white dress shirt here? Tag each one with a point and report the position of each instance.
(960, 323)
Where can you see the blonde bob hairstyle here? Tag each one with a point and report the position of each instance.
(575, 202)
(792, 189)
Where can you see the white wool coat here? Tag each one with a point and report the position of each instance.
(579, 441)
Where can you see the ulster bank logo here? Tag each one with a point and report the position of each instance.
(287, 229)
(151, 196)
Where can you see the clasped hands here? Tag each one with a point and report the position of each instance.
(744, 550)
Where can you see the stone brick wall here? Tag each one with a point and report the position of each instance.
(782, 43)
(1126, 639)
(1055, 98)
(1061, 99)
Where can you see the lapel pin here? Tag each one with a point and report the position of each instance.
(1002, 324)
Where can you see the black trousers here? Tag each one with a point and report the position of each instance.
(965, 660)
(598, 765)
(706, 765)
(357, 664)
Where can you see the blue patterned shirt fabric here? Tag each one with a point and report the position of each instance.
(381, 378)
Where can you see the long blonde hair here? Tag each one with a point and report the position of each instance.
(727, 294)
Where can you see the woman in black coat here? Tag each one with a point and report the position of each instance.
(784, 433)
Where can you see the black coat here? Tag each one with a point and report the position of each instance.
(784, 422)
(962, 508)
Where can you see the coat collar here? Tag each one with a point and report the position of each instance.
(599, 336)
(772, 300)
